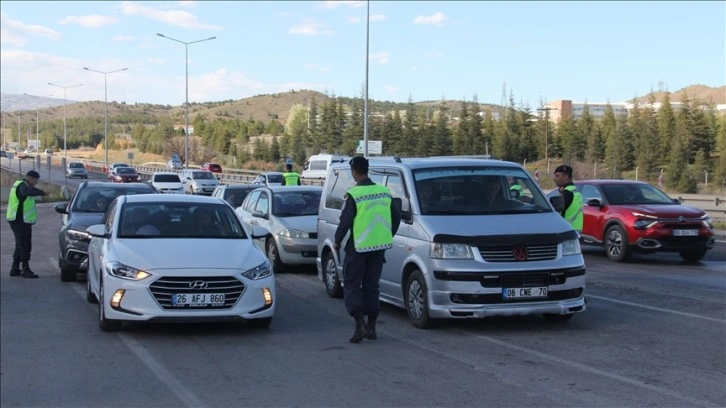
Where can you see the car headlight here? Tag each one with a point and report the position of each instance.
(450, 251)
(76, 235)
(261, 271)
(707, 222)
(643, 224)
(571, 247)
(122, 271)
(296, 234)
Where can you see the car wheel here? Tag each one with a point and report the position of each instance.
(330, 274)
(260, 323)
(616, 244)
(693, 256)
(107, 325)
(416, 300)
(557, 318)
(90, 297)
(274, 256)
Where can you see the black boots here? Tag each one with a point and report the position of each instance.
(27, 273)
(15, 269)
(372, 327)
(361, 330)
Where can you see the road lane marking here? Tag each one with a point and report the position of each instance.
(185, 395)
(657, 309)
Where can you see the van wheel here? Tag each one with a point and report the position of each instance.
(616, 244)
(417, 300)
(274, 256)
(330, 276)
(557, 318)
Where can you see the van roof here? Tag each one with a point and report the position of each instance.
(441, 161)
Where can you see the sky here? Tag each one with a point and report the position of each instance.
(535, 52)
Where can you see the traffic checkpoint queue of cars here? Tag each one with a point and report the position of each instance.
(468, 247)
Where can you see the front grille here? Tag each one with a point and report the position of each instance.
(313, 235)
(497, 298)
(164, 287)
(505, 253)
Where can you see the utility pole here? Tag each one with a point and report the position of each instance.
(547, 110)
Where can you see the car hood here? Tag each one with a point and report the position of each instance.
(175, 253)
(83, 220)
(664, 210)
(305, 223)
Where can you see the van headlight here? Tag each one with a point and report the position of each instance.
(122, 271)
(259, 272)
(450, 251)
(571, 247)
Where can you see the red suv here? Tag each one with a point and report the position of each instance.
(213, 167)
(630, 216)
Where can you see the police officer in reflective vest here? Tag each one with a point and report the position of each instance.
(572, 198)
(21, 215)
(291, 177)
(373, 219)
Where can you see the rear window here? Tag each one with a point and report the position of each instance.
(166, 178)
(274, 178)
(318, 165)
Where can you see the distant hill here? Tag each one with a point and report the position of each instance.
(694, 92)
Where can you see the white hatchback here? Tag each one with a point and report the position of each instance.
(167, 182)
(163, 257)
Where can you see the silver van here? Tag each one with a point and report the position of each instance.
(478, 238)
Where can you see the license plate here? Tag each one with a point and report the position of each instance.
(197, 299)
(523, 293)
(685, 232)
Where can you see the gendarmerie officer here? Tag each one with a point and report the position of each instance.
(21, 215)
(572, 198)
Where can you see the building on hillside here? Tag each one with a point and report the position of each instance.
(565, 108)
(183, 127)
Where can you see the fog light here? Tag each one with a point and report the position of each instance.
(116, 298)
(267, 295)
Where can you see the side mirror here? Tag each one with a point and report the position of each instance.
(61, 208)
(594, 202)
(558, 202)
(98, 230)
(404, 206)
(259, 232)
(259, 214)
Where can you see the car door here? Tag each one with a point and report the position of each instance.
(244, 212)
(592, 219)
(261, 215)
(97, 250)
(396, 256)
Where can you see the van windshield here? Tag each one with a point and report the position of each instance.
(477, 190)
(318, 165)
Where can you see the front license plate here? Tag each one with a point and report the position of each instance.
(685, 232)
(197, 299)
(523, 293)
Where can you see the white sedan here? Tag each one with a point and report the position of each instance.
(169, 257)
(290, 215)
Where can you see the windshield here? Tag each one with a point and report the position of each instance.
(76, 165)
(477, 190)
(166, 178)
(620, 194)
(97, 200)
(295, 204)
(179, 220)
(125, 170)
(203, 175)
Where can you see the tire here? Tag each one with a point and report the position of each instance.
(416, 301)
(616, 244)
(107, 325)
(273, 255)
(260, 323)
(693, 256)
(330, 277)
(90, 297)
(557, 318)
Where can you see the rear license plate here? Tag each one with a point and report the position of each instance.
(523, 293)
(197, 299)
(685, 232)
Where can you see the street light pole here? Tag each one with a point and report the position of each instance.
(186, 62)
(105, 108)
(65, 131)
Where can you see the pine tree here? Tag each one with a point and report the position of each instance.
(666, 125)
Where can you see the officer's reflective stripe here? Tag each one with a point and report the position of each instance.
(379, 220)
(371, 197)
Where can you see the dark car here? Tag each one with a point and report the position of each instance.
(213, 167)
(86, 208)
(234, 194)
(629, 216)
(124, 175)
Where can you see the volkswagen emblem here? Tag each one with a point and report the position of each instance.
(198, 285)
(520, 252)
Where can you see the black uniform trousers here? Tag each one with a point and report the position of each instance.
(361, 276)
(23, 240)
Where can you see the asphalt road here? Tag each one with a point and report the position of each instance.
(653, 335)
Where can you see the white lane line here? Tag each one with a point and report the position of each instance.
(184, 394)
(592, 370)
(657, 309)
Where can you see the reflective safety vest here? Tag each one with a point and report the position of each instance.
(515, 190)
(291, 178)
(372, 223)
(573, 213)
(29, 213)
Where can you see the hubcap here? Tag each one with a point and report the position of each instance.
(615, 243)
(415, 300)
(330, 273)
